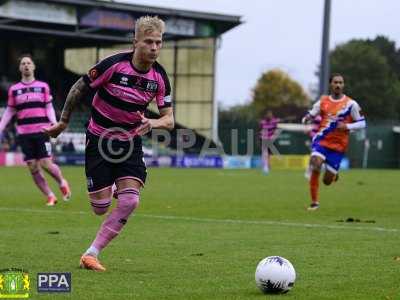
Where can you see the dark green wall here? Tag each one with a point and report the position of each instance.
(383, 152)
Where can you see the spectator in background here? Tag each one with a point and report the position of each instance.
(68, 147)
(4, 85)
(71, 146)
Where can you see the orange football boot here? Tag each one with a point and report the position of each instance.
(51, 200)
(91, 263)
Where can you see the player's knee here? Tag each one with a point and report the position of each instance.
(315, 165)
(99, 210)
(128, 200)
(130, 204)
(100, 207)
(315, 168)
(45, 165)
(33, 167)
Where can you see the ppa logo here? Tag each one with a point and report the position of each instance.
(54, 282)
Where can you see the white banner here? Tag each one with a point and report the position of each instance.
(180, 27)
(39, 11)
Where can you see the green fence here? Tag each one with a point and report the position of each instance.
(376, 147)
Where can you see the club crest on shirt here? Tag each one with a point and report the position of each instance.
(93, 73)
(151, 86)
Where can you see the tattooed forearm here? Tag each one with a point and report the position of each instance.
(76, 94)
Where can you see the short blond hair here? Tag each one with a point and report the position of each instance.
(149, 24)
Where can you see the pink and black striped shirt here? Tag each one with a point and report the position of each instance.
(122, 91)
(33, 107)
(268, 128)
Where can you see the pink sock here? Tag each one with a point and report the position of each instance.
(128, 200)
(41, 183)
(55, 172)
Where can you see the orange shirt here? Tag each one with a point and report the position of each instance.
(332, 111)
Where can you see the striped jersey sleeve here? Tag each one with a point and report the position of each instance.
(11, 98)
(102, 72)
(163, 96)
(47, 96)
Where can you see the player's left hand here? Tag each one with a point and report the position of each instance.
(341, 126)
(55, 130)
(146, 125)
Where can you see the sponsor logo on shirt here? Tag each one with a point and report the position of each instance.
(118, 93)
(135, 82)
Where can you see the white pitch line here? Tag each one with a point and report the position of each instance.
(40, 211)
(304, 225)
(208, 220)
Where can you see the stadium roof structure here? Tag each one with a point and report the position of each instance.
(101, 23)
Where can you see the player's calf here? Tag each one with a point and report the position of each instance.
(128, 200)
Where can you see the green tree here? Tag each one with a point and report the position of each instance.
(368, 78)
(388, 49)
(275, 89)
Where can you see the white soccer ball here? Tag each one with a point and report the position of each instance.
(275, 274)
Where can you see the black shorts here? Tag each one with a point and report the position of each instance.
(35, 145)
(109, 160)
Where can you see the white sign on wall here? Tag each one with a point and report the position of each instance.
(180, 26)
(39, 11)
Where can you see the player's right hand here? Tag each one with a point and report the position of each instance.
(55, 130)
(146, 125)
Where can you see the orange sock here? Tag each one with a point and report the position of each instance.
(314, 186)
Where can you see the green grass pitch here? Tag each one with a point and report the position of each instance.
(199, 234)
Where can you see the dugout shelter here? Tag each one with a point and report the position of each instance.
(66, 37)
